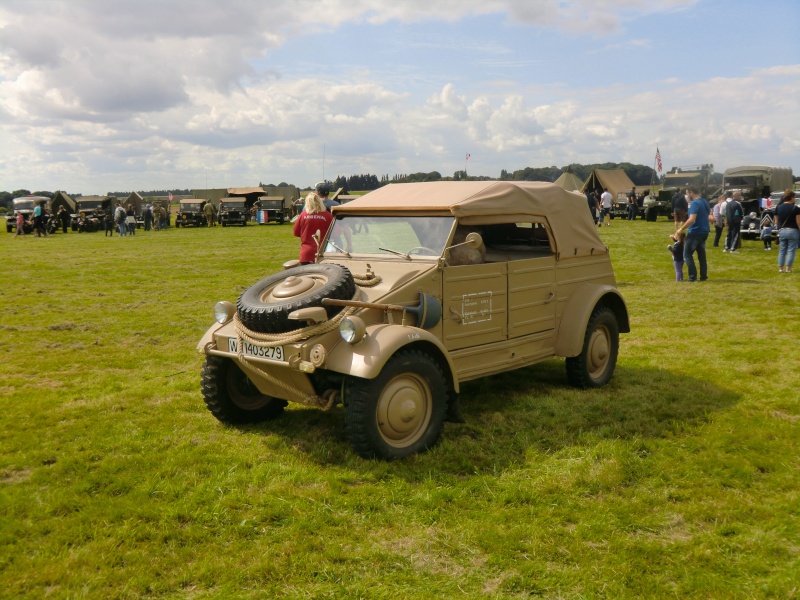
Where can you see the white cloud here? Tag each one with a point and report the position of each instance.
(133, 95)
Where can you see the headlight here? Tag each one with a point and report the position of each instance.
(352, 330)
(224, 311)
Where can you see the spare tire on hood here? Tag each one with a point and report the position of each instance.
(265, 306)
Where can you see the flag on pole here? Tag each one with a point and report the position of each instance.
(658, 159)
(467, 156)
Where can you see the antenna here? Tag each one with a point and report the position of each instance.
(323, 162)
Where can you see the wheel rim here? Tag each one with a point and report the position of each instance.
(293, 286)
(242, 392)
(599, 352)
(404, 410)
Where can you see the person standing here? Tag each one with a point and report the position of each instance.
(606, 200)
(679, 208)
(20, 225)
(697, 230)
(148, 217)
(677, 254)
(633, 207)
(733, 215)
(39, 229)
(108, 221)
(314, 218)
(208, 213)
(719, 219)
(64, 217)
(787, 216)
(130, 220)
(119, 218)
(323, 189)
(591, 198)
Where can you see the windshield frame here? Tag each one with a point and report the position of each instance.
(347, 231)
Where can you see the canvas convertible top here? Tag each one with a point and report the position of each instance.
(491, 202)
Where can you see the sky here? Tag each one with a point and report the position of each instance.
(110, 95)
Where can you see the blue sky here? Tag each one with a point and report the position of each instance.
(117, 95)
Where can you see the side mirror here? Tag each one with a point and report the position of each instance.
(474, 240)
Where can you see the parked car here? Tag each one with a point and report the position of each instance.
(233, 211)
(418, 288)
(190, 213)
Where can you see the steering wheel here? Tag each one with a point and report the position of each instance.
(421, 250)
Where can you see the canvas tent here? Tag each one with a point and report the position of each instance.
(569, 181)
(615, 180)
(62, 199)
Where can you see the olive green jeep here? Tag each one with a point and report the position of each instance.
(418, 288)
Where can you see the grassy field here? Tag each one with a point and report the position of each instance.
(680, 479)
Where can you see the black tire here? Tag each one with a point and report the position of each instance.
(280, 219)
(401, 411)
(595, 365)
(265, 306)
(231, 396)
(651, 214)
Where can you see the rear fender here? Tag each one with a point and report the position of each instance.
(579, 309)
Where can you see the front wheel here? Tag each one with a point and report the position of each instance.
(401, 411)
(232, 397)
(595, 365)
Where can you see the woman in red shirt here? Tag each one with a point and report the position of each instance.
(314, 217)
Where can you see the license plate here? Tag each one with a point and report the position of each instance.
(248, 349)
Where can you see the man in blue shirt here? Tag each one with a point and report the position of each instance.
(697, 230)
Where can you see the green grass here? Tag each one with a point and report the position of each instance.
(678, 479)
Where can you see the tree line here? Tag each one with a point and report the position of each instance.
(640, 175)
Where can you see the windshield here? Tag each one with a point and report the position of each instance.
(388, 236)
(23, 204)
(89, 204)
(233, 205)
(194, 206)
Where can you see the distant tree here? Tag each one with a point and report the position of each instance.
(45, 194)
(6, 199)
(20, 193)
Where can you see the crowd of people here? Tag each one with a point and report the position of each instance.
(692, 229)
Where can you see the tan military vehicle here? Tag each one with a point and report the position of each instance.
(418, 288)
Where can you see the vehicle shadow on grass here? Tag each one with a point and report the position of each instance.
(530, 410)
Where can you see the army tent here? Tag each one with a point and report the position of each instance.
(62, 199)
(615, 180)
(569, 181)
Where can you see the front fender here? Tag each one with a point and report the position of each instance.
(367, 358)
(208, 337)
(578, 310)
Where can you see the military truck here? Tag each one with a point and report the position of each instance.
(190, 213)
(756, 182)
(416, 289)
(274, 209)
(679, 178)
(24, 205)
(277, 206)
(91, 211)
(233, 211)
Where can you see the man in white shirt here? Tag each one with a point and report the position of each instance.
(606, 200)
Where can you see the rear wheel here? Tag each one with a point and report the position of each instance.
(595, 365)
(231, 396)
(401, 411)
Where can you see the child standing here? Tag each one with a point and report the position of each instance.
(677, 253)
(766, 235)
